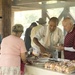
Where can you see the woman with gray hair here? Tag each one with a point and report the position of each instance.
(12, 51)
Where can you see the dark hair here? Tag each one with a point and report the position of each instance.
(54, 19)
(33, 24)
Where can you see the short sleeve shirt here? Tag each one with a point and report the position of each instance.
(11, 48)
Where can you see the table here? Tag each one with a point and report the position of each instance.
(34, 70)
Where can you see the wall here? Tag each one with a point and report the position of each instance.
(0, 16)
(0, 7)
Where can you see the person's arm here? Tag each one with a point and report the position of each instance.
(71, 49)
(38, 37)
(42, 48)
(23, 57)
(23, 53)
(60, 47)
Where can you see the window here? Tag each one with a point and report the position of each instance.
(26, 18)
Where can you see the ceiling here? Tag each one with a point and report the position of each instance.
(38, 4)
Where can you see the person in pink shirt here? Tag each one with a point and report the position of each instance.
(13, 50)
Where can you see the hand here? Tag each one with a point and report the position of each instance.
(46, 54)
(60, 47)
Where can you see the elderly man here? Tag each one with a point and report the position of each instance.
(51, 36)
(69, 42)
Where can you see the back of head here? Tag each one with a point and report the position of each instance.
(54, 19)
(17, 28)
(33, 24)
(41, 21)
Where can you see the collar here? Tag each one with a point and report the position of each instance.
(72, 29)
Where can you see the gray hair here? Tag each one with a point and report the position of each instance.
(17, 28)
(68, 20)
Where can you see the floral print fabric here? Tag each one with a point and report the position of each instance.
(10, 71)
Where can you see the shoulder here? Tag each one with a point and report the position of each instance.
(20, 40)
(37, 27)
(59, 29)
(7, 37)
(44, 27)
(27, 29)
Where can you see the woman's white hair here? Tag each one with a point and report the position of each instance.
(17, 28)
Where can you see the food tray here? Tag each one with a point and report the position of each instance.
(43, 60)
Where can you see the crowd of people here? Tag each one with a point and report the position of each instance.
(47, 39)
